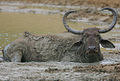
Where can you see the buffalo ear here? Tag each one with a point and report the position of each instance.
(77, 43)
(107, 44)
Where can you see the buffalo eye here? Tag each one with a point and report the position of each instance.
(97, 35)
(86, 35)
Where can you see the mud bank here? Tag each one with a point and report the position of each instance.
(88, 14)
(106, 70)
(24, 7)
(96, 3)
(58, 72)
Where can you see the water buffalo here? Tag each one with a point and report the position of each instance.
(83, 47)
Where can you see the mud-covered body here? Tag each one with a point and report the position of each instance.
(58, 47)
(42, 48)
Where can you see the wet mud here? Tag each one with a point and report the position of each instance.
(106, 70)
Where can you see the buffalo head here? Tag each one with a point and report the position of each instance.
(88, 48)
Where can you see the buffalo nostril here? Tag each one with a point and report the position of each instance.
(91, 47)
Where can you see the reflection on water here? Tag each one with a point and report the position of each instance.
(111, 59)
